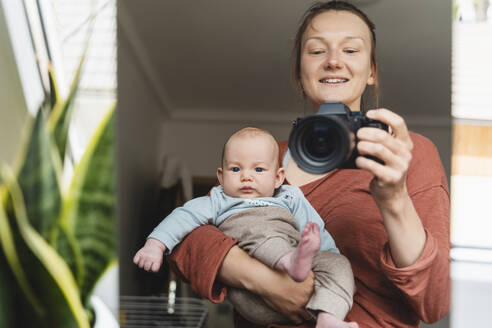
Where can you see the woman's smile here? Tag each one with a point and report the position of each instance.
(333, 80)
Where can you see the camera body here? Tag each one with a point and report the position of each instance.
(327, 140)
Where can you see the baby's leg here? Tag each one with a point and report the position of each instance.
(334, 288)
(327, 320)
(266, 233)
(297, 263)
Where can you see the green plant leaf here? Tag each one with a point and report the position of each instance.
(8, 284)
(54, 95)
(9, 237)
(89, 208)
(59, 120)
(39, 179)
(48, 276)
(14, 308)
(68, 248)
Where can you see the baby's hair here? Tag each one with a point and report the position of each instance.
(249, 132)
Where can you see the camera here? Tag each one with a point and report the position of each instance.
(326, 140)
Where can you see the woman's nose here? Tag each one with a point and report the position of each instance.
(333, 60)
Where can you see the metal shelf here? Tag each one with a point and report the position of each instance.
(161, 311)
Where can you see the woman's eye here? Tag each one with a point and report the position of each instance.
(350, 51)
(316, 52)
(235, 169)
(258, 169)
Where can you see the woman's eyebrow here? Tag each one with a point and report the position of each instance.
(324, 39)
(355, 37)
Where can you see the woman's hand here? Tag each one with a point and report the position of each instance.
(406, 234)
(288, 297)
(277, 289)
(394, 148)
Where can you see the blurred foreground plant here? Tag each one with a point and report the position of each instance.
(54, 245)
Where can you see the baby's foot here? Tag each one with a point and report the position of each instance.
(327, 320)
(149, 257)
(298, 262)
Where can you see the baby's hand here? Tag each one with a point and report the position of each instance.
(149, 257)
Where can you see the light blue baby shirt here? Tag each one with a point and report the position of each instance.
(217, 207)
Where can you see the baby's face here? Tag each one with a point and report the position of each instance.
(250, 167)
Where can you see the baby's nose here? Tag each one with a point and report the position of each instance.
(245, 176)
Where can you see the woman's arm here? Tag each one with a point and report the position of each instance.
(277, 289)
(416, 257)
(197, 260)
(405, 231)
(426, 283)
(207, 254)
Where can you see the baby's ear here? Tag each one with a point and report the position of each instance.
(279, 179)
(219, 175)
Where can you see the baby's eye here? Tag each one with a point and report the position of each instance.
(316, 52)
(259, 169)
(350, 51)
(235, 169)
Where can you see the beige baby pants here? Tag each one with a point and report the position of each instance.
(268, 233)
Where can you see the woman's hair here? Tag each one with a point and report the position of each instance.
(316, 9)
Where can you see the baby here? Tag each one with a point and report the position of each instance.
(252, 205)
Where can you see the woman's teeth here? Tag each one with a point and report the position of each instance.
(333, 80)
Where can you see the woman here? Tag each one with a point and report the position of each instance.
(391, 221)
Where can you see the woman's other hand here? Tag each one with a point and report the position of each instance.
(277, 289)
(289, 297)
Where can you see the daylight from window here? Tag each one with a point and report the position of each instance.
(471, 177)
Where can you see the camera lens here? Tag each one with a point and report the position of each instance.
(319, 144)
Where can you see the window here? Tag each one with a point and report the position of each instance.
(471, 176)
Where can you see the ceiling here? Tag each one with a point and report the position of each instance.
(230, 59)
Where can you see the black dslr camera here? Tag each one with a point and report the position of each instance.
(326, 140)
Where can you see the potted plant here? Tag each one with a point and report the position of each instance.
(54, 244)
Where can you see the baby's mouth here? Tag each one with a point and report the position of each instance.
(333, 81)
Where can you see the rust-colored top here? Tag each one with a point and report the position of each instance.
(386, 296)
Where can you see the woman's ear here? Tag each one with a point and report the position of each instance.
(280, 177)
(371, 80)
(219, 175)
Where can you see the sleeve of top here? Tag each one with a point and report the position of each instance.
(304, 213)
(426, 283)
(197, 260)
(193, 214)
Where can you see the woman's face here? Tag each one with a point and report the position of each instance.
(336, 59)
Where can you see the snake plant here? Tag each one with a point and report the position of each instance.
(54, 244)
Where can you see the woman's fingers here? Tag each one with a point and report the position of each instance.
(394, 121)
(395, 155)
(385, 174)
(394, 158)
(380, 137)
(394, 148)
